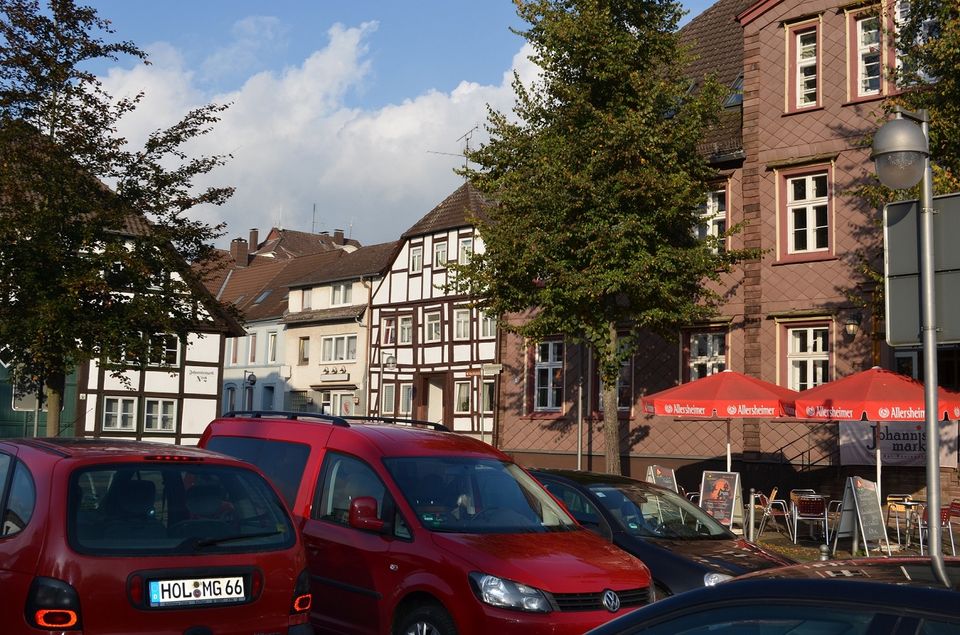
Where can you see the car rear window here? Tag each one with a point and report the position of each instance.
(174, 508)
(282, 461)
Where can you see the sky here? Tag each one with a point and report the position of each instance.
(344, 114)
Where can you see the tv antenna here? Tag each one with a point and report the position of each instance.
(465, 137)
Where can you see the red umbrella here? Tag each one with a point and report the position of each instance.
(724, 395)
(873, 395)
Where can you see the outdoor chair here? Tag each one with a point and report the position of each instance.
(923, 527)
(772, 509)
(813, 510)
(898, 508)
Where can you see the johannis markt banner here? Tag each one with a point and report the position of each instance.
(901, 442)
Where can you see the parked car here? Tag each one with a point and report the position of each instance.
(108, 536)
(684, 546)
(413, 529)
(848, 596)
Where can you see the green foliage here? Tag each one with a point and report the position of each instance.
(598, 182)
(85, 270)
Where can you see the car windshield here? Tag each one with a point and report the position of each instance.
(476, 495)
(157, 508)
(657, 513)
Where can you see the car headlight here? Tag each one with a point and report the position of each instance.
(712, 579)
(507, 594)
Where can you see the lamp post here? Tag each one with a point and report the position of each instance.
(902, 156)
(249, 380)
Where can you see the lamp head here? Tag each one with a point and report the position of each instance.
(899, 149)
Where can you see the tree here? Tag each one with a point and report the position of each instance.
(598, 184)
(88, 271)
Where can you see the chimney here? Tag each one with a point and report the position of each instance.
(238, 249)
(254, 243)
(338, 236)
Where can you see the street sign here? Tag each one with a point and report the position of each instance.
(901, 270)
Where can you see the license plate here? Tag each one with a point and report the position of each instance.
(196, 591)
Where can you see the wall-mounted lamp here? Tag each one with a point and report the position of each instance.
(851, 325)
(390, 362)
(249, 378)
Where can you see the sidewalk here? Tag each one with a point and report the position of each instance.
(808, 549)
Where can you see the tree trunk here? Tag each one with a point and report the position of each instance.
(611, 420)
(54, 404)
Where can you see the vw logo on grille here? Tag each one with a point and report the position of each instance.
(611, 601)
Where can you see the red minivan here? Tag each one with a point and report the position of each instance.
(106, 537)
(418, 531)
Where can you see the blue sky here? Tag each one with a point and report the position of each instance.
(349, 107)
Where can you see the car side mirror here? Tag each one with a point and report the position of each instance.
(363, 514)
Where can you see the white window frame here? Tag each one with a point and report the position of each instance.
(405, 329)
(488, 326)
(119, 414)
(548, 376)
(869, 58)
(461, 397)
(464, 250)
(160, 415)
(901, 15)
(432, 327)
(461, 324)
(168, 346)
(440, 255)
(340, 403)
(389, 329)
(272, 346)
(416, 259)
(388, 398)
(713, 217)
(808, 355)
(341, 294)
(252, 351)
(234, 350)
(807, 61)
(810, 207)
(707, 350)
(406, 398)
(487, 396)
(303, 351)
(306, 299)
(329, 348)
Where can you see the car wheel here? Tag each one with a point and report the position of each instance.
(426, 619)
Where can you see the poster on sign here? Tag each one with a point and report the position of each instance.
(720, 497)
(861, 517)
(662, 476)
(901, 442)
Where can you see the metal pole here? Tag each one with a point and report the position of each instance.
(930, 381)
(580, 423)
(753, 518)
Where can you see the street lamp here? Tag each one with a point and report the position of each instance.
(902, 156)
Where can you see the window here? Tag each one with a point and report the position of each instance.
(282, 461)
(253, 348)
(624, 387)
(337, 403)
(307, 299)
(466, 251)
(160, 415)
(461, 324)
(432, 327)
(461, 403)
(119, 413)
(808, 213)
(164, 350)
(416, 259)
(707, 354)
(267, 398)
(439, 255)
(342, 294)
(549, 376)
(486, 396)
(248, 397)
(389, 329)
(230, 399)
(271, 347)
(907, 68)
(406, 329)
(234, 347)
(340, 348)
(804, 68)
(808, 356)
(488, 326)
(736, 93)
(303, 351)
(21, 501)
(387, 398)
(406, 398)
(867, 70)
(344, 479)
(713, 215)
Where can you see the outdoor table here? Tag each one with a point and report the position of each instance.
(914, 514)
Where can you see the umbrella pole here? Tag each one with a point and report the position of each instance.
(729, 457)
(876, 447)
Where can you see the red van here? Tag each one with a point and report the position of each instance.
(415, 530)
(106, 537)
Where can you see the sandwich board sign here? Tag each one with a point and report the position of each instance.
(662, 476)
(720, 497)
(861, 516)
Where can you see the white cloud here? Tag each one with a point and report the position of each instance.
(253, 37)
(295, 143)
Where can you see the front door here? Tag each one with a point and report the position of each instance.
(434, 391)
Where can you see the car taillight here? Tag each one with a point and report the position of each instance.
(135, 590)
(53, 605)
(302, 599)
